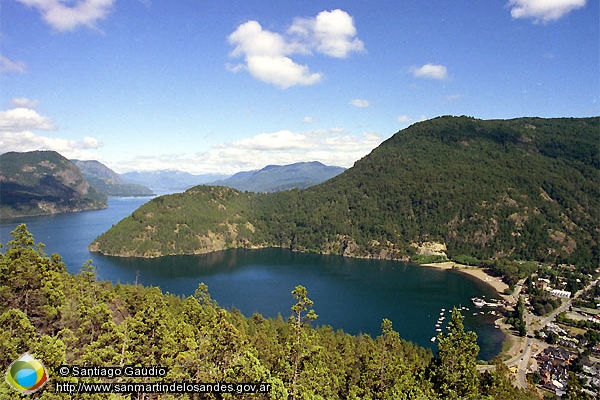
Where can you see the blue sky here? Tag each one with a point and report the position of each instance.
(222, 86)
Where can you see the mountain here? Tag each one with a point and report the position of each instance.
(273, 178)
(526, 188)
(168, 179)
(108, 181)
(44, 182)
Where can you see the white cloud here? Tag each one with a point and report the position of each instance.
(543, 10)
(331, 33)
(24, 102)
(266, 58)
(29, 141)
(8, 65)
(268, 55)
(283, 140)
(64, 16)
(430, 71)
(309, 119)
(332, 147)
(16, 134)
(21, 118)
(280, 71)
(360, 103)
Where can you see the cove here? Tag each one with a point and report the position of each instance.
(349, 294)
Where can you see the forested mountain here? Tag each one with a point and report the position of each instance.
(169, 180)
(526, 188)
(273, 178)
(43, 182)
(67, 320)
(108, 181)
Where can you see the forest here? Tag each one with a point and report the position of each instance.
(521, 189)
(76, 319)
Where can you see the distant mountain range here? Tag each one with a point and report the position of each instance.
(169, 180)
(274, 178)
(271, 178)
(108, 181)
(44, 182)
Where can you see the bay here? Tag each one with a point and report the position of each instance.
(349, 294)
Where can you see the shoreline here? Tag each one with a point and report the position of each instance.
(495, 282)
(509, 345)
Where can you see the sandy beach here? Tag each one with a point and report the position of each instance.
(478, 273)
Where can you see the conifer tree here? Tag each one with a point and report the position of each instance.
(454, 369)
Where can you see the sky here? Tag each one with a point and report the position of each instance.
(213, 86)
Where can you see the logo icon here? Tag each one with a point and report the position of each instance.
(26, 374)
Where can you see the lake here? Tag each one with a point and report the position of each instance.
(349, 294)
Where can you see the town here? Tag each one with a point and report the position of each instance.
(553, 321)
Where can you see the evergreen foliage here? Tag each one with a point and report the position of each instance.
(77, 319)
(43, 182)
(527, 189)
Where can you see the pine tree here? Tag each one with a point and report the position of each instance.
(302, 312)
(454, 369)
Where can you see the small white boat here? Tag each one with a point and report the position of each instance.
(438, 330)
(433, 339)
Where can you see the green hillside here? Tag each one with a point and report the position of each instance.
(43, 182)
(527, 188)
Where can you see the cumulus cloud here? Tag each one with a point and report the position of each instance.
(283, 140)
(430, 71)
(63, 16)
(360, 103)
(17, 124)
(21, 118)
(29, 141)
(268, 55)
(280, 71)
(8, 65)
(331, 33)
(332, 146)
(543, 10)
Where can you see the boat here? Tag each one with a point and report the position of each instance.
(438, 330)
(478, 302)
(433, 339)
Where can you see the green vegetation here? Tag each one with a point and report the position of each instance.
(516, 318)
(522, 189)
(77, 319)
(43, 182)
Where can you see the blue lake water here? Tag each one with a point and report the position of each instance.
(349, 294)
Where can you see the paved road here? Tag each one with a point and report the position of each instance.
(523, 357)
